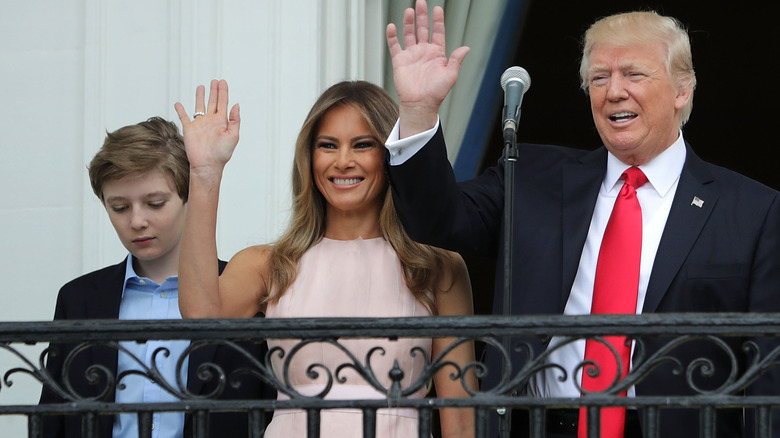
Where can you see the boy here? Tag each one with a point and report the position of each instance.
(141, 176)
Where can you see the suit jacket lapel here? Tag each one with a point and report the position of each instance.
(105, 305)
(686, 220)
(581, 182)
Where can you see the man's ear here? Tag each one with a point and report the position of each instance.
(684, 95)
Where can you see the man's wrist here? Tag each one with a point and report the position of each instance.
(414, 119)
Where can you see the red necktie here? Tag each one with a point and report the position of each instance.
(615, 292)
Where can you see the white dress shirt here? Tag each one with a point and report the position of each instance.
(655, 198)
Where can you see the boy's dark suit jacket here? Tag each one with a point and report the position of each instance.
(96, 296)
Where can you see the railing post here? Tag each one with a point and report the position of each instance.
(145, 424)
(480, 422)
(34, 426)
(256, 420)
(707, 422)
(369, 423)
(763, 422)
(538, 423)
(426, 414)
(89, 425)
(594, 421)
(650, 422)
(313, 423)
(200, 424)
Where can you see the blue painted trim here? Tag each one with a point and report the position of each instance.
(488, 99)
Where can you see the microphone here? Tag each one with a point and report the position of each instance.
(515, 81)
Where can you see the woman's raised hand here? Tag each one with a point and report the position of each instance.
(212, 134)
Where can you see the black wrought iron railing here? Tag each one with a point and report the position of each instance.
(747, 346)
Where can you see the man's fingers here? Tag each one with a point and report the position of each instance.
(392, 40)
(457, 57)
(438, 37)
(422, 21)
(409, 37)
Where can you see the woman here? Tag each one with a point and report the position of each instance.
(344, 254)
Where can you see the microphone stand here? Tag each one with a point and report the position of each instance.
(510, 159)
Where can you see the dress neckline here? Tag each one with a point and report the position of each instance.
(359, 239)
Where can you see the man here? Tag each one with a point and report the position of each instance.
(708, 239)
(141, 176)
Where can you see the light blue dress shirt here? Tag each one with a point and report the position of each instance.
(142, 298)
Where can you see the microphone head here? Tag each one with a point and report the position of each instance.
(516, 74)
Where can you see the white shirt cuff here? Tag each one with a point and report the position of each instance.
(403, 149)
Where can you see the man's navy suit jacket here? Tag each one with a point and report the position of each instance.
(718, 255)
(97, 296)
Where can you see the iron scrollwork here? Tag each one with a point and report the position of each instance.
(746, 349)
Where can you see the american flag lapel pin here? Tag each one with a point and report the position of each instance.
(697, 202)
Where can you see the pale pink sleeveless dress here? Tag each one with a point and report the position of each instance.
(355, 278)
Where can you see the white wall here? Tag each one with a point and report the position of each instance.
(72, 69)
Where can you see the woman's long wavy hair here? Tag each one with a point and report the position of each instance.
(422, 264)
